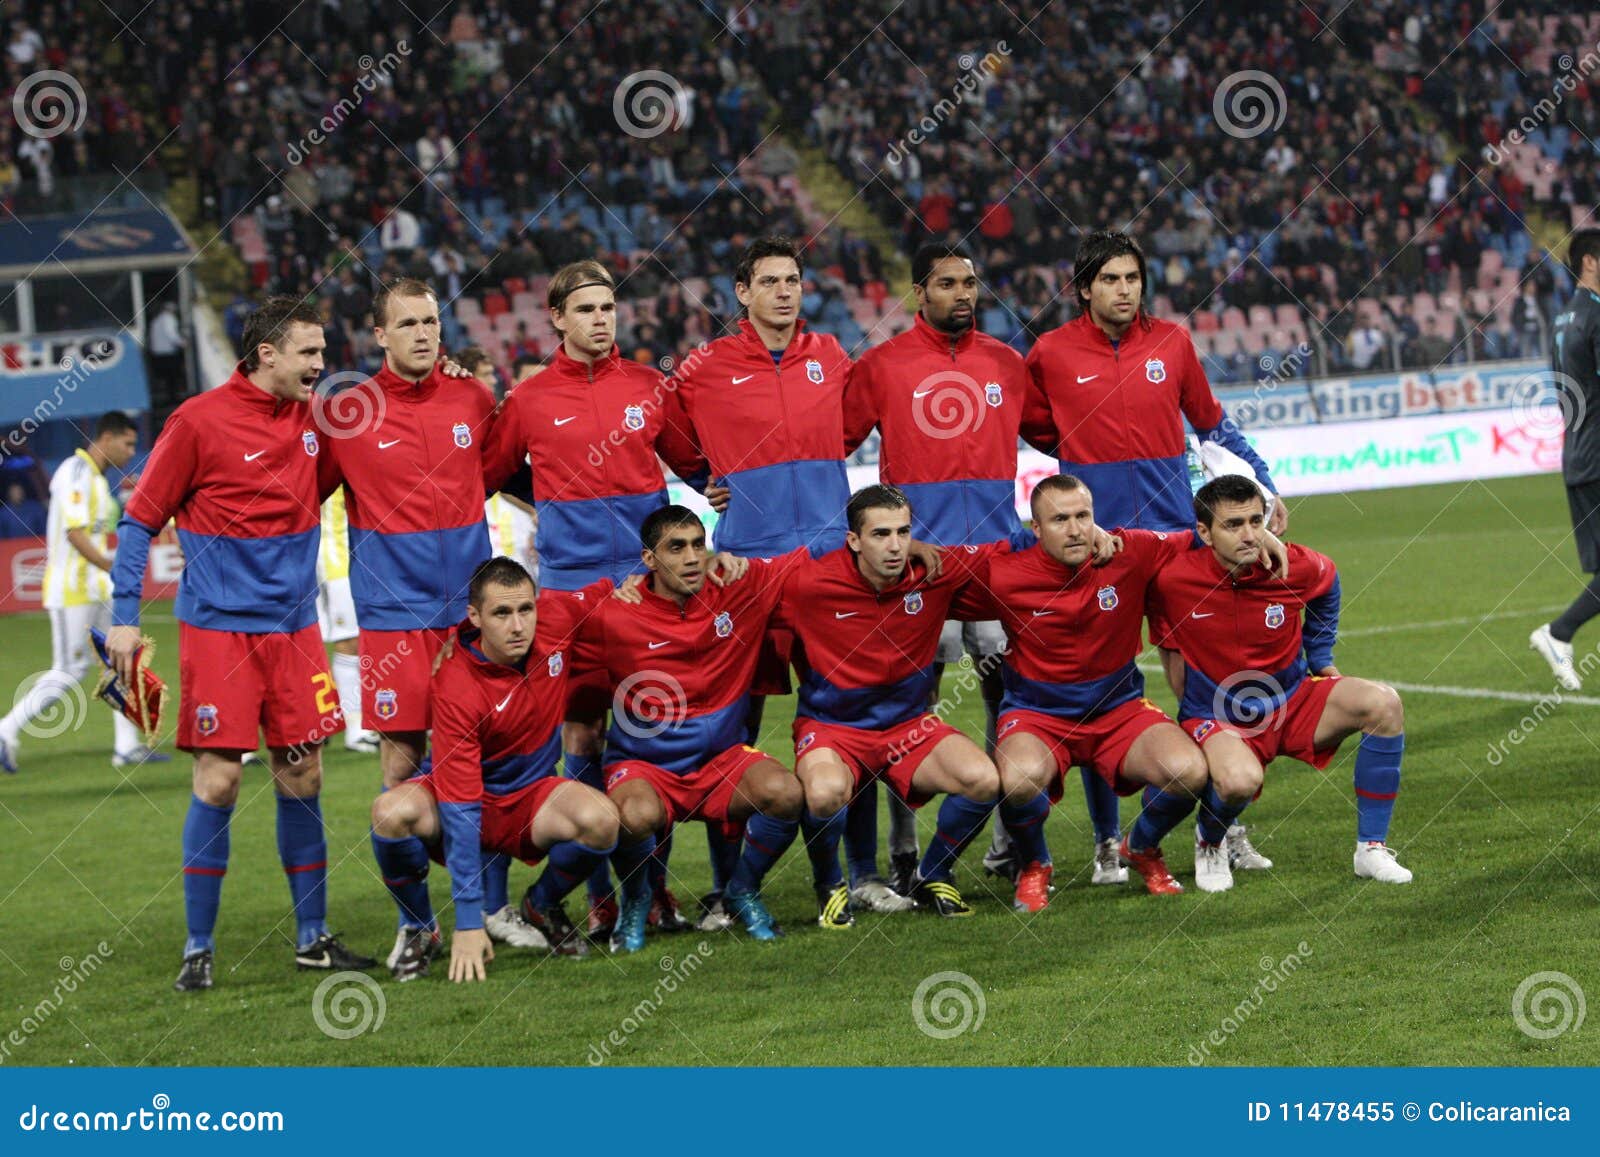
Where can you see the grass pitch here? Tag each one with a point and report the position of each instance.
(1300, 965)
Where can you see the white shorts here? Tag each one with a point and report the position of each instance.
(70, 649)
(980, 640)
(336, 611)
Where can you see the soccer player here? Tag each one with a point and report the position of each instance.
(1577, 361)
(1260, 681)
(493, 787)
(683, 663)
(1073, 694)
(237, 467)
(868, 623)
(408, 446)
(947, 401)
(594, 430)
(1117, 385)
(336, 620)
(77, 586)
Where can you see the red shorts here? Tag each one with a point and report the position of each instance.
(772, 665)
(1290, 731)
(396, 667)
(233, 686)
(507, 819)
(894, 754)
(706, 794)
(1101, 744)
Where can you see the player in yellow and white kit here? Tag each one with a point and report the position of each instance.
(336, 616)
(77, 592)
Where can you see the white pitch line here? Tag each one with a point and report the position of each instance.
(1360, 632)
(1552, 696)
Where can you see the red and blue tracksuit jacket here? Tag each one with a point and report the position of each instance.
(948, 411)
(591, 435)
(773, 433)
(237, 467)
(683, 674)
(866, 657)
(414, 491)
(1072, 633)
(1228, 624)
(1118, 413)
(496, 730)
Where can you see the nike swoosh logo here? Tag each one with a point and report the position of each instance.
(1090, 378)
(386, 445)
(1207, 615)
(501, 706)
(653, 646)
(1037, 613)
(564, 421)
(253, 457)
(741, 381)
(845, 614)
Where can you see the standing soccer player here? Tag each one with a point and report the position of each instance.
(77, 586)
(1260, 680)
(594, 430)
(493, 788)
(1117, 384)
(237, 467)
(1577, 361)
(947, 401)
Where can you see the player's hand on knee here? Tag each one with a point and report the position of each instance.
(470, 950)
(1105, 546)
(726, 568)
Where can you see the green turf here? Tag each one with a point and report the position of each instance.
(1505, 856)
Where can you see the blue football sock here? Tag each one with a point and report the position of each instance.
(586, 769)
(205, 862)
(724, 853)
(1025, 824)
(303, 849)
(1377, 783)
(1104, 807)
(566, 865)
(1215, 816)
(1162, 812)
(633, 871)
(959, 820)
(496, 876)
(822, 847)
(765, 840)
(861, 833)
(403, 864)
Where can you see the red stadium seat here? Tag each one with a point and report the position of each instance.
(877, 293)
(1206, 322)
(514, 286)
(495, 304)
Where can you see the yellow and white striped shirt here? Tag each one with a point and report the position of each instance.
(80, 499)
(333, 553)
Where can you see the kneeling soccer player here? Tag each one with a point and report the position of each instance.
(497, 703)
(1260, 682)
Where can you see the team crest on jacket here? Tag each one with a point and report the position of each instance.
(992, 394)
(555, 663)
(463, 434)
(205, 719)
(385, 703)
(308, 439)
(914, 603)
(724, 625)
(1274, 614)
(633, 417)
(1108, 598)
(814, 370)
(1155, 370)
